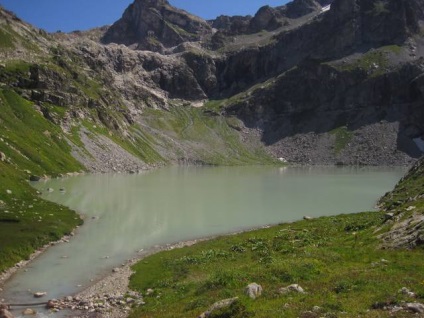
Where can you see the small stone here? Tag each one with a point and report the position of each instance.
(2, 156)
(316, 309)
(406, 291)
(389, 216)
(253, 290)
(50, 189)
(308, 314)
(307, 217)
(9, 191)
(115, 270)
(4, 313)
(34, 178)
(410, 208)
(40, 294)
(292, 288)
(29, 312)
(53, 303)
(149, 291)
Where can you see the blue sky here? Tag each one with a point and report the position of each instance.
(71, 15)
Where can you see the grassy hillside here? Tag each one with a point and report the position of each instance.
(337, 260)
(30, 145)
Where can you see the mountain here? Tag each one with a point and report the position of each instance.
(322, 82)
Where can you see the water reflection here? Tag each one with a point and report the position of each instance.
(125, 213)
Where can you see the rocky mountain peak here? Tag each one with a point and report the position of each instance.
(152, 3)
(299, 8)
(155, 25)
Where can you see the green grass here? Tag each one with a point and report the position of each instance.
(375, 61)
(32, 145)
(335, 259)
(26, 221)
(6, 39)
(30, 141)
(408, 192)
(342, 137)
(195, 133)
(380, 7)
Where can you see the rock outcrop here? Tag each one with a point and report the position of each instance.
(155, 25)
(404, 205)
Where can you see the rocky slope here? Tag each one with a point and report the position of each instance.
(404, 208)
(305, 81)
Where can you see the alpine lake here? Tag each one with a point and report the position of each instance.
(128, 214)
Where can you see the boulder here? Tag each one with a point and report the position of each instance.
(53, 303)
(253, 290)
(415, 307)
(34, 178)
(292, 288)
(389, 216)
(40, 294)
(4, 313)
(407, 292)
(29, 312)
(219, 305)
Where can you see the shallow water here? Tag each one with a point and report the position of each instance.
(126, 213)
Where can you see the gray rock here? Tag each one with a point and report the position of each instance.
(34, 178)
(4, 313)
(2, 156)
(40, 294)
(292, 288)
(218, 305)
(29, 312)
(415, 307)
(407, 292)
(253, 290)
(389, 216)
(154, 25)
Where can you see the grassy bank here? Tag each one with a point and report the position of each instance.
(26, 221)
(337, 261)
(30, 145)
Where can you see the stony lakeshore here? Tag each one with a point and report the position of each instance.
(109, 297)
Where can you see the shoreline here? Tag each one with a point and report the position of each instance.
(114, 283)
(117, 282)
(10, 272)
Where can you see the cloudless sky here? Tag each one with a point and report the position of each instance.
(71, 15)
